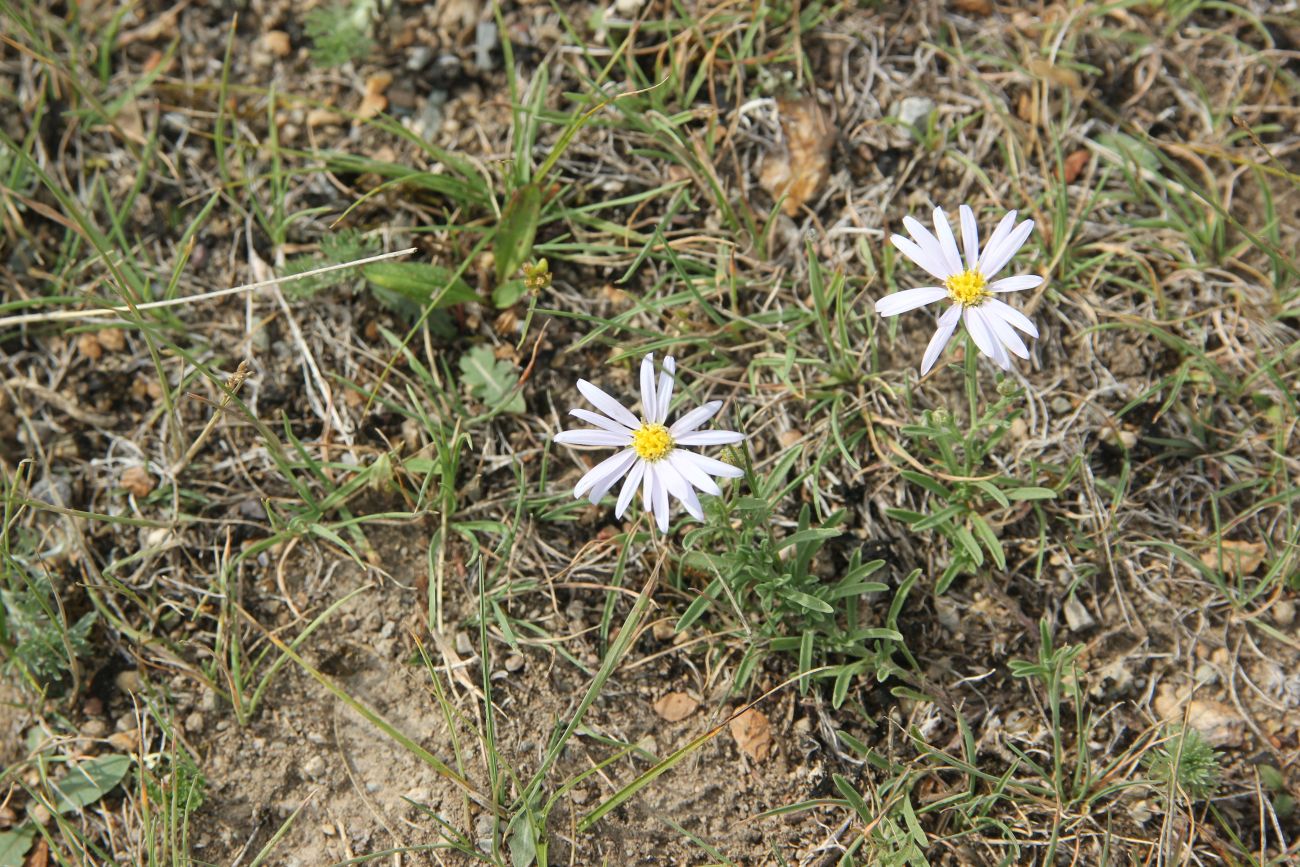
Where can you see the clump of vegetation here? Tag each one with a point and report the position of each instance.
(35, 636)
(1185, 761)
(340, 32)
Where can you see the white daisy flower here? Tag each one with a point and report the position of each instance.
(651, 453)
(991, 323)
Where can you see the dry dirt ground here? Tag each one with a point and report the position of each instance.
(412, 533)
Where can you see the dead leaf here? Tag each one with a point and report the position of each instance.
(982, 8)
(1054, 74)
(371, 105)
(675, 706)
(798, 172)
(753, 734)
(1239, 558)
(378, 83)
(137, 481)
(1074, 165)
(40, 856)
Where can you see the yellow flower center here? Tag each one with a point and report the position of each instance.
(652, 442)
(967, 288)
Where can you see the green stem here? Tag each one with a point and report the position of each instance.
(972, 397)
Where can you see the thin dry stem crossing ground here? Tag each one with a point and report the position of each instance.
(294, 574)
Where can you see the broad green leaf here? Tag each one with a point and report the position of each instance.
(91, 780)
(14, 845)
(515, 233)
(507, 293)
(990, 539)
(410, 286)
(491, 380)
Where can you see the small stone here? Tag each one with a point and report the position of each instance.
(112, 339)
(323, 117)
(1284, 612)
(39, 814)
(1077, 615)
(1061, 405)
(675, 706)
(194, 722)
(662, 630)
(463, 646)
(327, 828)
(208, 700)
(277, 42)
(314, 767)
(789, 439)
(914, 109)
(128, 680)
(125, 742)
(579, 796)
(88, 346)
(137, 481)
(8, 818)
(514, 662)
(94, 728)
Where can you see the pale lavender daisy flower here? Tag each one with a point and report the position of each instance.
(991, 323)
(651, 453)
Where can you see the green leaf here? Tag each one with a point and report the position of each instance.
(1031, 493)
(14, 845)
(990, 539)
(521, 840)
(515, 233)
(491, 380)
(507, 293)
(91, 780)
(409, 287)
(810, 602)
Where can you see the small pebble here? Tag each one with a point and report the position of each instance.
(514, 662)
(314, 767)
(94, 728)
(194, 722)
(1284, 612)
(463, 647)
(128, 681)
(125, 742)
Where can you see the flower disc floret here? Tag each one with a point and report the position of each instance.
(968, 288)
(652, 442)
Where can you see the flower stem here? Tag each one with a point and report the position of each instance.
(972, 396)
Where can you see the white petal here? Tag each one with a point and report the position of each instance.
(648, 489)
(629, 488)
(928, 243)
(1015, 284)
(657, 494)
(933, 264)
(695, 418)
(1004, 333)
(593, 438)
(648, 402)
(1012, 316)
(679, 488)
(600, 421)
(970, 236)
(909, 299)
(709, 438)
(665, 393)
(607, 404)
(947, 243)
(691, 473)
(602, 477)
(947, 324)
(995, 259)
(1002, 229)
(711, 466)
(983, 336)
